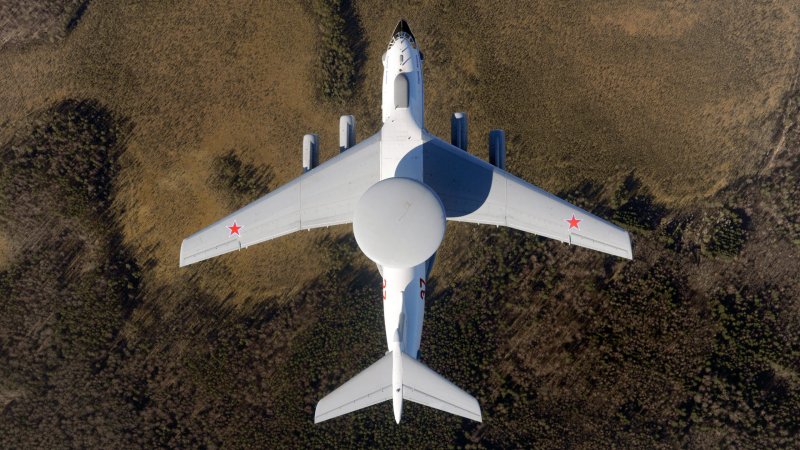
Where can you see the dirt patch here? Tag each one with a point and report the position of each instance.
(30, 22)
(655, 21)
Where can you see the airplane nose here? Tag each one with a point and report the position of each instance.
(402, 27)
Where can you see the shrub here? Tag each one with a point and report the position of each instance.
(722, 233)
(640, 211)
(338, 58)
(781, 191)
(635, 206)
(73, 147)
(243, 182)
(625, 191)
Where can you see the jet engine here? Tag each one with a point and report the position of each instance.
(310, 152)
(497, 148)
(347, 132)
(458, 130)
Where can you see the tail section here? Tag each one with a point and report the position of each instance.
(420, 385)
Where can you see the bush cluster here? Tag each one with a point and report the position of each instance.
(781, 190)
(72, 147)
(635, 206)
(746, 383)
(66, 297)
(562, 346)
(337, 64)
(722, 232)
(243, 182)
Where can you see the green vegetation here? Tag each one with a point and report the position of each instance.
(636, 207)
(781, 191)
(74, 284)
(243, 182)
(72, 149)
(339, 52)
(722, 232)
(747, 382)
(563, 347)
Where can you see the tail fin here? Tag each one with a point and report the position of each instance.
(420, 385)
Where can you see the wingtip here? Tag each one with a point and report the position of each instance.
(320, 415)
(629, 256)
(479, 414)
(183, 261)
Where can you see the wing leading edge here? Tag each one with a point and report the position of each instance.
(324, 196)
(477, 192)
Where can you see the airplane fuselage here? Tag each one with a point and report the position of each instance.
(402, 133)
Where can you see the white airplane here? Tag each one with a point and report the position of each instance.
(398, 188)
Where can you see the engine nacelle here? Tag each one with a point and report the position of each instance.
(310, 152)
(458, 130)
(497, 148)
(347, 132)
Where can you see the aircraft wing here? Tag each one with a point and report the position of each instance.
(324, 196)
(475, 191)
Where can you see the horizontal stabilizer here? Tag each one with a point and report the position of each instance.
(420, 385)
(373, 385)
(424, 386)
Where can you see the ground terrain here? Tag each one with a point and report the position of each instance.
(124, 128)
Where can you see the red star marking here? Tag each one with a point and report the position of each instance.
(573, 223)
(234, 229)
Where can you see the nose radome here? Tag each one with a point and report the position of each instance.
(402, 27)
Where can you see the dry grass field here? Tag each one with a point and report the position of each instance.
(698, 100)
(686, 95)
